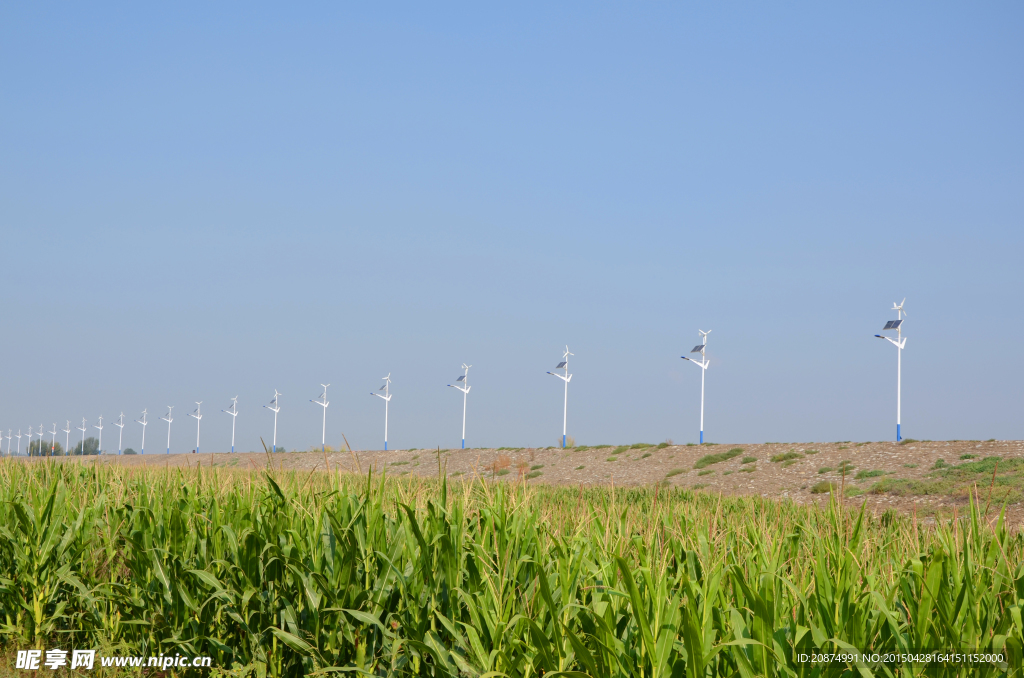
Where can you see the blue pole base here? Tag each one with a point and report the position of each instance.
(463, 443)
(275, 449)
(385, 446)
(143, 451)
(898, 436)
(702, 437)
(232, 449)
(563, 441)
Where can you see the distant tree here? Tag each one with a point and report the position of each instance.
(129, 450)
(41, 448)
(92, 446)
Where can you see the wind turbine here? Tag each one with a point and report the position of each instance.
(703, 365)
(53, 439)
(275, 408)
(67, 439)
(8, 442)
(143, 422)
(564, 365)
(169, 419)
(234, 413)
(41, 432)
(100, 427)
(322, 402)
(465, 391)
(198, 416)
(82, 428)
(120, 424)
(899, 343)
(386, 398)
(19, 441)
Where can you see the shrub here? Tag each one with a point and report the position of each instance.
(823, 487)
(962, 456)
(709, 459)
(675, 472)
(619, 450)
(640, 446)
(816, 452)
(502, 472)
(663, 445)
(789, 462)
(645, 455)
(861, 475)
(748, 469)
(705, 472)
(826, 469)
(698, 486)
(579, 468)
(786, 456)
(534, 474)
(612, 459)
(536, 467)
(907, 441)
(748, 460)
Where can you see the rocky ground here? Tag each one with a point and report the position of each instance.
(905, 477)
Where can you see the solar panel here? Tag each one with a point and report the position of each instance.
(698, 348)
(892, 324)
(462, 378)
(559, 366)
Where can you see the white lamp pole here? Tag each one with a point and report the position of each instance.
(564, 365)
(120, 434)
(465, 392)
(143, 421)
(83, 429)
(703, 365)
(322, 402)
(275, 408)
(387, 399)
(234, 413)
(899, 343)
(198, 416)
(169, 418)
(100, 427)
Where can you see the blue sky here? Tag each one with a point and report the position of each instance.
(204, 201)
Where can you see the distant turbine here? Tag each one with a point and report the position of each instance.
(234, 414)
(67, 439)
(169, 419)
(143, 422)
(386, 398)
(120, 424)
(198, 416)
(100, 427)
(8, 442)
(82, 428)
(703, 365)
(465, 392)
(53, 439)
(899, 343)
(275, 408)
(19, 441)
(322, 402)
(41, 432)
(564, 365)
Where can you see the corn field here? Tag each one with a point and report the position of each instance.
(294, 574)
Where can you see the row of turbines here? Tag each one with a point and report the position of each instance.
(461, 384)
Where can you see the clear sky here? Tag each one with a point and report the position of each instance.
(205, 200)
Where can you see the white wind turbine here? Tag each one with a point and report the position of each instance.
(564, 365)
(8, 442)
(322, 402)
(234, 413)
(275, 408)
(100, 427)
(899, 343)
(198, 416)
(120, 434)
(387, 399)
(169, 419)
(19, 441)
(143, 421)
(41, 433)
(703, 365)
(67, 439)
(53, 439)
(83, 429)
(465, 392)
